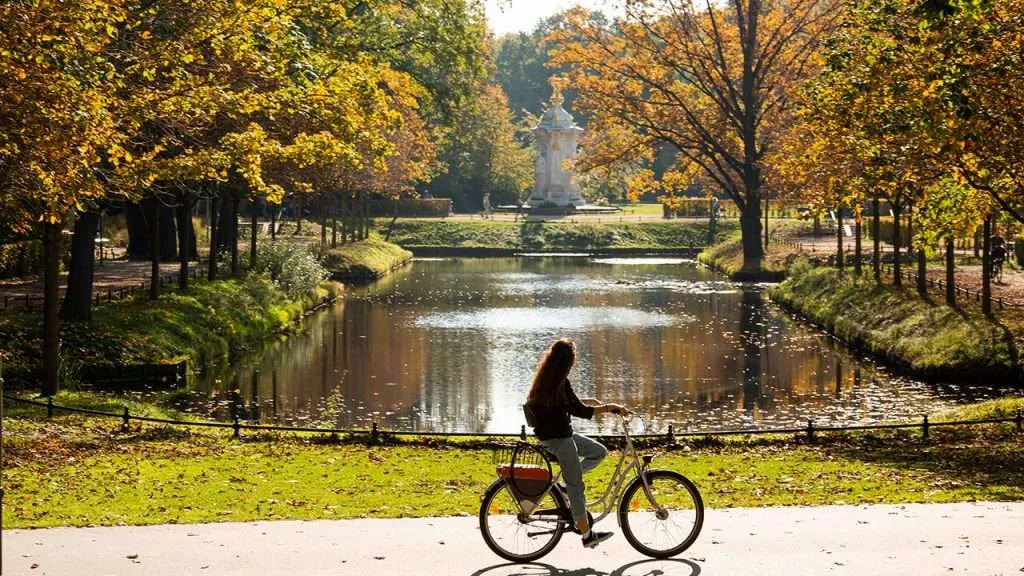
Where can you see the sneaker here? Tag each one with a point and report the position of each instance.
(595, 538)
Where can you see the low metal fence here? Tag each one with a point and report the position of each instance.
(374, 432)
(29, 302)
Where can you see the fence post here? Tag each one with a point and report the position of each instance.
(522, 433)
(671, 435)
(235, 427)
(49, 406)
(810, 430)
(924, 427)
(124, 420)
(1019, 420)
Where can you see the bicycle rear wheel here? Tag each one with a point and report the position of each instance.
(516, 536)
(669, 524)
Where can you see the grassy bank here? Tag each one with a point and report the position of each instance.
(549, 236)
(926, 337)
(727, 257)
(73, 471)
(210, 322)
(365, 261)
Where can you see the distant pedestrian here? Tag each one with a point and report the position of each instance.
(997, 255)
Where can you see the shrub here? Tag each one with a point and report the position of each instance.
(295, 268)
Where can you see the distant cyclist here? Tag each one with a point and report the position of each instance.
(548, 406)
(997, 256)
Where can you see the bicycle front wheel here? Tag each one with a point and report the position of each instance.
(516, 536)
(665, 521)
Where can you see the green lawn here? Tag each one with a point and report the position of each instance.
(560, 235)
(74, 471)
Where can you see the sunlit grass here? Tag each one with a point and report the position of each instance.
(551, 235)
(82, 471)
(926, 336)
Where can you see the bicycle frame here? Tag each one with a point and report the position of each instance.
(628, 460)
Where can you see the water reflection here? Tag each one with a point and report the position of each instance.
(450, 345)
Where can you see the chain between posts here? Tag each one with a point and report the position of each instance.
(376, 433)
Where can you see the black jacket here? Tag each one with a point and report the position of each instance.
(553, 421)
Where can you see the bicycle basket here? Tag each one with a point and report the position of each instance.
(526, 471)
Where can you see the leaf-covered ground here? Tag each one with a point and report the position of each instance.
(73, 471)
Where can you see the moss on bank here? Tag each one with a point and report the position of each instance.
(365, 261)
(211, 322)
(925, 337)
(550, 235)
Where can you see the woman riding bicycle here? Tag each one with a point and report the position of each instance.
(549, 404)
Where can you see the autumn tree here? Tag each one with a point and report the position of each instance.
(482, 154)
(715, 81)
(54, 126)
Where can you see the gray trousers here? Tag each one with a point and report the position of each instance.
(569, 451)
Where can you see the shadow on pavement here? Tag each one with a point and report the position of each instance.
(651, 567)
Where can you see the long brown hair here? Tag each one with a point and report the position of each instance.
(554, 367)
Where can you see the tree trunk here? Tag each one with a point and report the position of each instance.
(394, 218)
(766, 210)
(750, 228)
(211, 271)
(897, 267)
(186, 239)
(51, 308)
(910, 230)
(876, 255)
(334, 228)
(365, 205)
(253, 223)
(273, 223)
(298, 215)
(236, 201)
(77, 305)
(839, 240)
(977, 244)
(857, 248)
(154, 259)
(950, 273)
(323, 222)
(986, 267)
(922, 271)
(138, 231)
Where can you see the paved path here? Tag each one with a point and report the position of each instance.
(982, 539)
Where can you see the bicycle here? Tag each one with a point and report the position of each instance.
(660, 512)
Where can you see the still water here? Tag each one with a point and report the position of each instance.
(451, 344)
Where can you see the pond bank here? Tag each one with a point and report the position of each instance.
(921, 337)
(726, 257)
(210, 323)
(365, 261)
(502, 237)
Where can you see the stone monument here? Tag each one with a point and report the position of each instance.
(556, 149)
